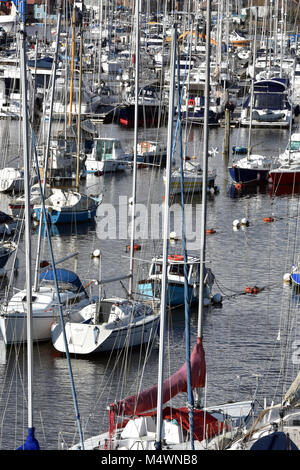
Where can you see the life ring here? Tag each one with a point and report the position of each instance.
(176, 258)
(191, 102)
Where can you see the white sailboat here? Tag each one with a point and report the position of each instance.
(44, 306)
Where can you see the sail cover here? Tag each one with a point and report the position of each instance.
(177, 383)
(292, 396)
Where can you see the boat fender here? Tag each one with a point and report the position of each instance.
(268, 219)
(238, 186)
(236, 223)
(96, 334)
(96, 253)
(287, 278)
(217, 299)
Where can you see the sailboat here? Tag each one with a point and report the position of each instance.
(253, 168)
(112, 323)
(67, 205)
(44, 305)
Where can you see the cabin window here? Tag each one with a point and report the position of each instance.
(104, 150)
(24, 299)
(295, 145)
(177, 269)
(269, 101)
(156, 269)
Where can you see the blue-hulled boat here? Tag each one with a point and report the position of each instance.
(251, 169)
(151, 287)
(67, 206)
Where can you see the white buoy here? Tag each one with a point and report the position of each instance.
(245, 221)
(217, 298)
(173, 236)
(130, 201)
(236, 223)
(287, 277)
(96, 253)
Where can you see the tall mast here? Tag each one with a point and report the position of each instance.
(72, 64)
(31, 442)
(46, 159)
(136, 115)
(204, 169)
(166, 228)
(79, 107)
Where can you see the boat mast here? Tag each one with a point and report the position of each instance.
(136, 116)
(252, 89)
(166, 228)
(72, 64)
(31, 442)
(36, 279)
(79, 106)
(204, 170)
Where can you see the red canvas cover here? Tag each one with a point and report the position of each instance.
(177, 383)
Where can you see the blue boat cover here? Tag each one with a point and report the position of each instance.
(63, 275)
(270, 86)
(296, 278)
(275, 441)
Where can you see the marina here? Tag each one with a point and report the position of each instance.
(155, 249)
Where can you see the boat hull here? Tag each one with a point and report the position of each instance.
(246, 175)
(88, 338)
(66, 217)
(14, 328)
(147, 115)
(175, 292)
(285, 177)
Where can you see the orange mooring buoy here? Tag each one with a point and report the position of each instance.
(252, 290)
(210, 231)
(136, 247)
(268, 219)
(238, 186)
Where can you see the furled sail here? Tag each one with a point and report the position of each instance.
(177, 383)
(292, 396)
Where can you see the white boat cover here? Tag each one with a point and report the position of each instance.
(292, 396)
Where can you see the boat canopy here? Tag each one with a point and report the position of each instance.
(63, 275)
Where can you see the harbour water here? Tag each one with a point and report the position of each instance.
(249, 342)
